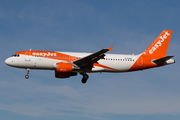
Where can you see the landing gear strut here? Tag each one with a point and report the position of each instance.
(85, 77)
(27, 76)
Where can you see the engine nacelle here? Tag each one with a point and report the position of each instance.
(64, 70)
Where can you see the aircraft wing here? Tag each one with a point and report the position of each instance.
(86, 63)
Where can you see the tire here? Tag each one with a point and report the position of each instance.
(84, 81)
(27, 76)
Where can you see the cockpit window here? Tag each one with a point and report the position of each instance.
(15, 55)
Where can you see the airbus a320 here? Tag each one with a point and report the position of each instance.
(67, 64)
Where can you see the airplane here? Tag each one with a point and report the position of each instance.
(67, 64)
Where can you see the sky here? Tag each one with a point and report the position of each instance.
(89, 26)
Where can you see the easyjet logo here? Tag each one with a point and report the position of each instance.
(159, 42)
(44, 54)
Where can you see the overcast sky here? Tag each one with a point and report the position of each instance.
(88, 26)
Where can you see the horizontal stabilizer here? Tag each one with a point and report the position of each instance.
(164, 59)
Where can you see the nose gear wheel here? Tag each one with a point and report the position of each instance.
(27, 76)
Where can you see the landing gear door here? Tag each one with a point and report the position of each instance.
(28, 57)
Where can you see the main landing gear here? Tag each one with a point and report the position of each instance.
(27, 76)
(85, 77)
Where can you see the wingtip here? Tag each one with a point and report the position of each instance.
(110, 49)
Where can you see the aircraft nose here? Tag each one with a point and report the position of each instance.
(7, 61)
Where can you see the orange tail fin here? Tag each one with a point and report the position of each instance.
(159, 47)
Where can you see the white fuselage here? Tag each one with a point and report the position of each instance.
(121, 63)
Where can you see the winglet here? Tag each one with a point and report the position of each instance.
(110, 49)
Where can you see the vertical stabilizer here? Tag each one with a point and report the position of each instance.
(155, 53)
(159, 47)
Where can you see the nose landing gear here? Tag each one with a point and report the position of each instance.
(27, 76)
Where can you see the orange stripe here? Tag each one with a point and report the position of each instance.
(103, 66)
(49, 55)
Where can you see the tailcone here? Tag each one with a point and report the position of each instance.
(170, 61)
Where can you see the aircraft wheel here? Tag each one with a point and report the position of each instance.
(85, 76)
(84, 79)
(27, 76)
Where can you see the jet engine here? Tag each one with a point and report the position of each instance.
(64, 70)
